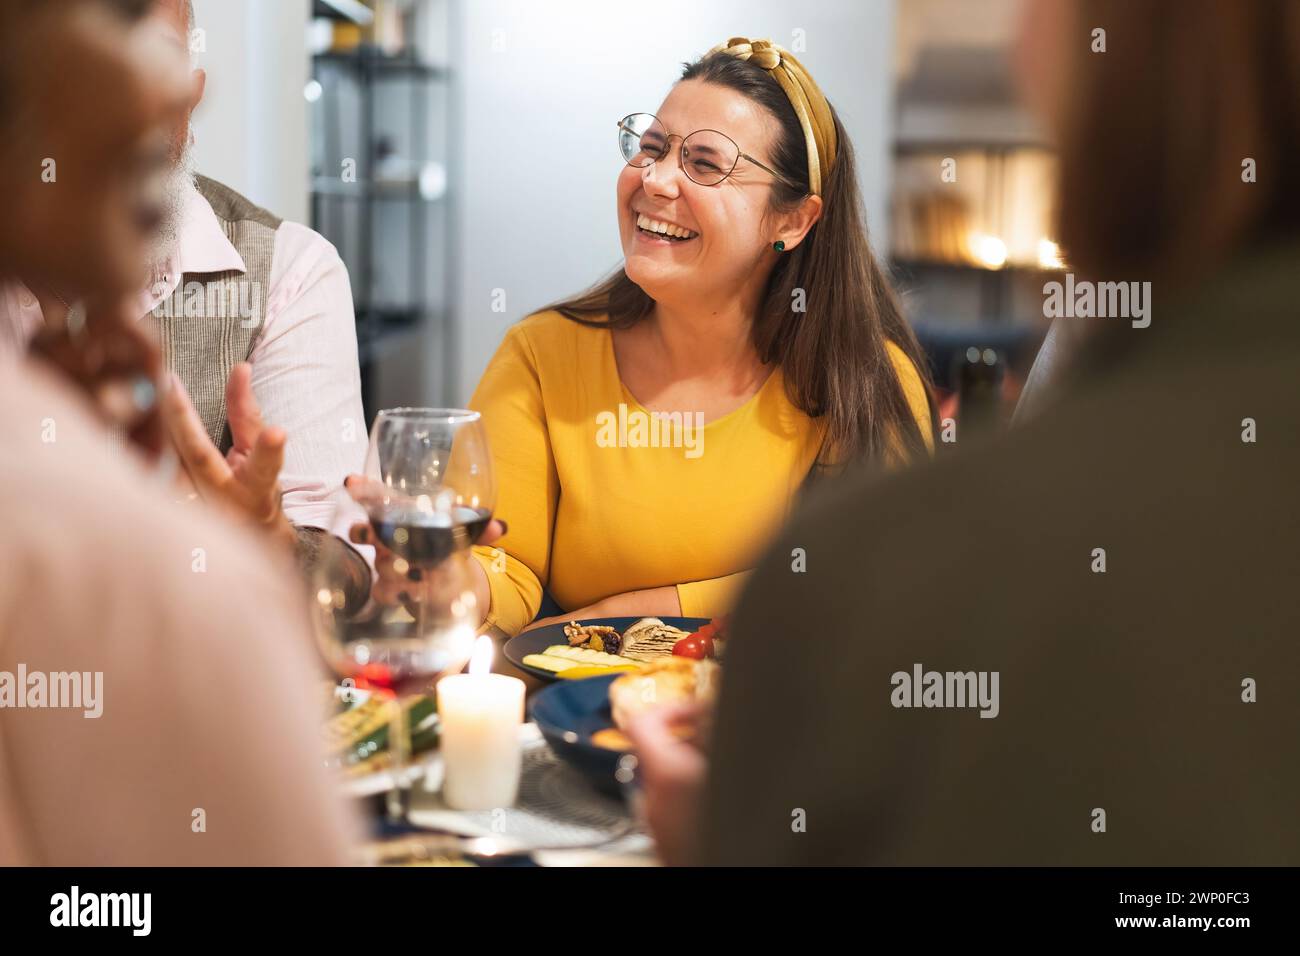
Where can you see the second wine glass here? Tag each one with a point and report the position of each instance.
(438, 453)
(426, 495)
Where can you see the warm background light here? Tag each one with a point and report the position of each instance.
(989, 251)
(1049, 254)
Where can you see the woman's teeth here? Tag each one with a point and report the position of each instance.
(665, 229)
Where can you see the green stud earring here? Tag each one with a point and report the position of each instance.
(779, 245)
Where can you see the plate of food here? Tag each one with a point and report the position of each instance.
(603, 646)
(584, 720)
(355, 736)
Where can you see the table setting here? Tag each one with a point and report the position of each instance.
(458, 762)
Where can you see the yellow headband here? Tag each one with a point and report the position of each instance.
(809, 104)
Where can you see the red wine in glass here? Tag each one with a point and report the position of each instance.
(425, 538)
(397, 664)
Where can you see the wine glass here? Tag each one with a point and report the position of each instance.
(436, 450)
(412, 620)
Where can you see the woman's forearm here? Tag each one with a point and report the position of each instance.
(651, 602)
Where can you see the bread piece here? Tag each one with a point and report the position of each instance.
(672, 680)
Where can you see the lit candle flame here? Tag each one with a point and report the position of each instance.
(480, 662)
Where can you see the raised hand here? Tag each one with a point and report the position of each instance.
(246, 479)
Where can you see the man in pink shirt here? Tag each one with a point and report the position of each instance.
(256, 322)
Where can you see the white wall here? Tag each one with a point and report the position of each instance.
(562, 72)
(251, 128)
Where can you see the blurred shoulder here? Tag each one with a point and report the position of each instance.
(79, 507)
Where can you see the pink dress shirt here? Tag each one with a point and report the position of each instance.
(305, 372)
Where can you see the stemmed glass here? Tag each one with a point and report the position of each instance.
(427, 494)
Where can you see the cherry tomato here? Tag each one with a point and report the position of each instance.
(696, 646)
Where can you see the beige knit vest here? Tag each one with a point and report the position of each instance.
(212, 320)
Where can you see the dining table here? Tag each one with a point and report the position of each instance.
(559, 818)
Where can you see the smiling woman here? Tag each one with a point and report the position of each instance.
(750, 305)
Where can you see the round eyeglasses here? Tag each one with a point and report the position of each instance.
(707, 157)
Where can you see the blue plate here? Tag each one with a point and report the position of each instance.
(535, 642)
(567, 714)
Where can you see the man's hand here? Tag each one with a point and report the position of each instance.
(246, 479)
(672, 771)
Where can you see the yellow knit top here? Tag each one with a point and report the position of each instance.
(603, 497)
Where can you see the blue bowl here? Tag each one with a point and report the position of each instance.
(568, 713)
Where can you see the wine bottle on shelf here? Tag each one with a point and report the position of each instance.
(979, 386)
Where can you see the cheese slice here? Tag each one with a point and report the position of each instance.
(559, 658)
(544, 662)
(584, 655)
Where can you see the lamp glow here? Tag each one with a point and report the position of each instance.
(1049, 254)
(990, 251)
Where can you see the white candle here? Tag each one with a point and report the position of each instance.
(480, 715)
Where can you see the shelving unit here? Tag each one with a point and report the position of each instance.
(361, 117)
(968, 250)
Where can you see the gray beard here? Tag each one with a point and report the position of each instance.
(179, 180)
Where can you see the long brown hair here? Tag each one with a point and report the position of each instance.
(1156, 129)
(833, 356)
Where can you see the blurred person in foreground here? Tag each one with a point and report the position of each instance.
(126, 626)
(1147, 713)
(255, 321)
